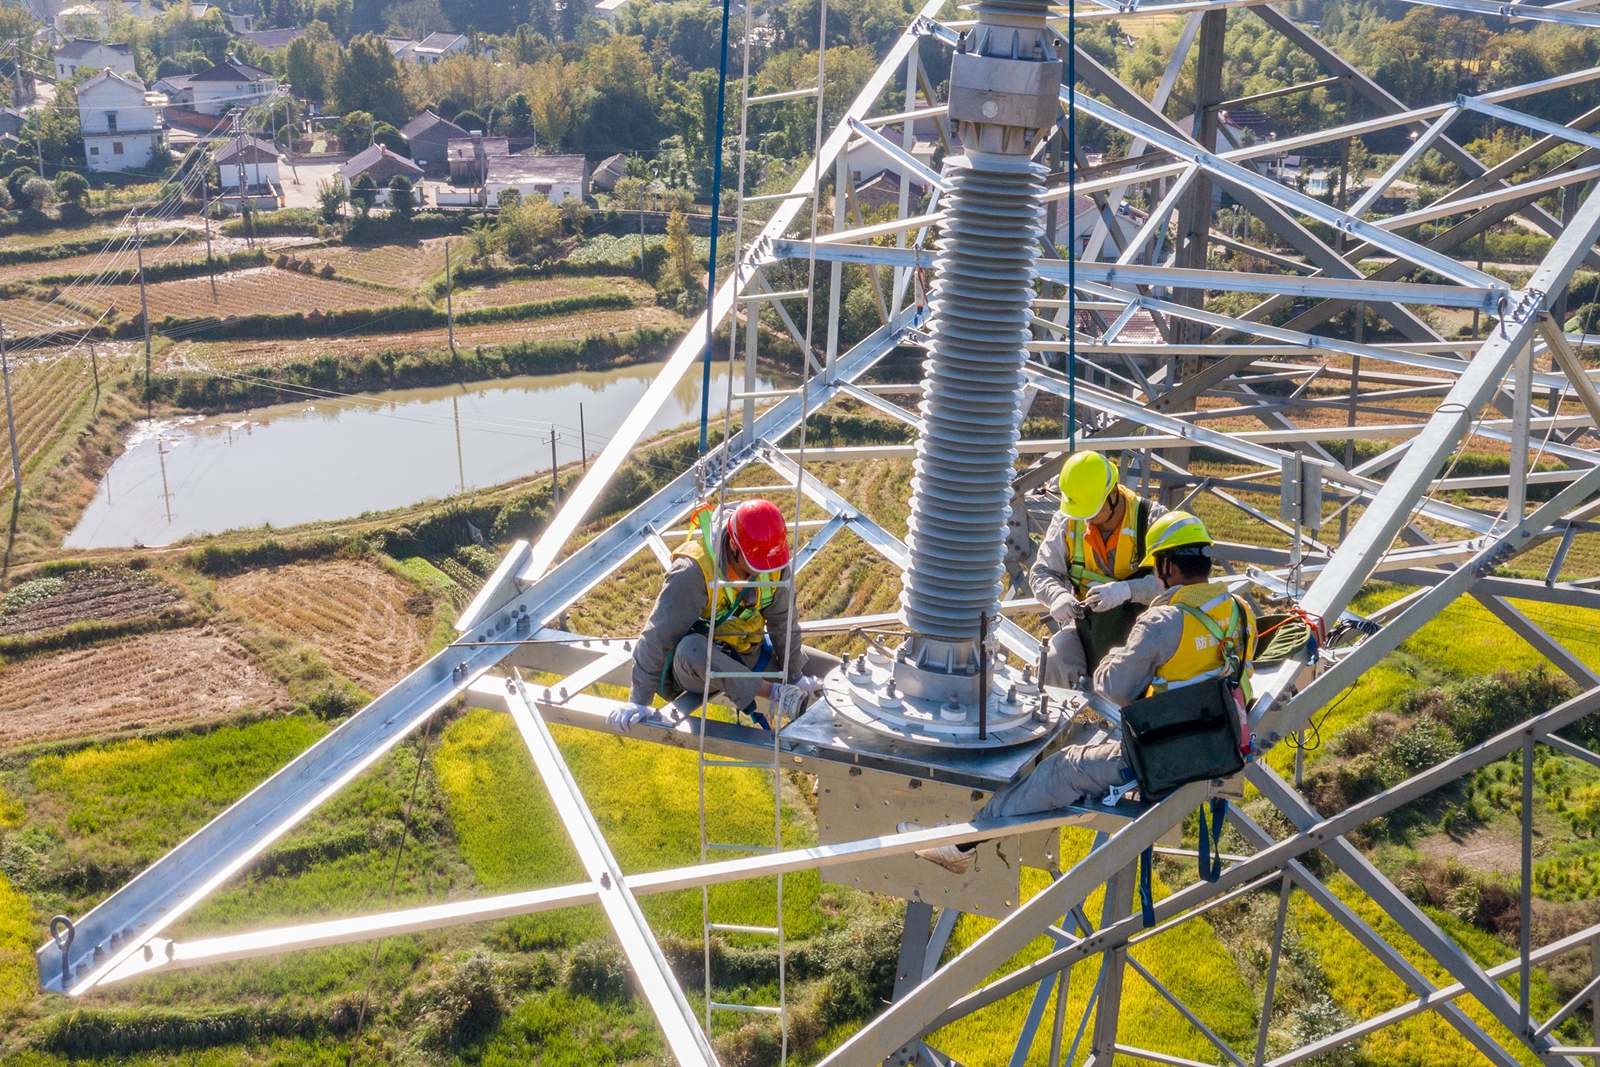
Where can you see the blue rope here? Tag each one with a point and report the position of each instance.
(1072, 227)
(716, 214)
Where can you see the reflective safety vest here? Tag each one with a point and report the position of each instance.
(1127, 545)
(1219, 634)
(739, 614)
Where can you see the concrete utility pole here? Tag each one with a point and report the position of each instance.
(94, 365)
(11, 419)
(144, 310)
(555, 486)
(205, 213)
(449, 306)
(583, 442)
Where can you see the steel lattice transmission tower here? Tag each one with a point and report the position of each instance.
(1139, 357)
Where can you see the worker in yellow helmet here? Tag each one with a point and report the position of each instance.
(1195, 629)
(1089, 573)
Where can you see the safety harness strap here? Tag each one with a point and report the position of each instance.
(1210, 843)
(1147, 903)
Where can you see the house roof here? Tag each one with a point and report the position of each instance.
(427, 121)
(246, 149)
(465, 147)
(399, 44)
(527, 168)
(108, 75)
(175, 81)
(231, 70)
(439, 42)
(617, 165)
(370, 157)
(83, 46)
(272, 40)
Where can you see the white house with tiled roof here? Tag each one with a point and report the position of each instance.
(231, 83)
(84, 54)
(121, 122)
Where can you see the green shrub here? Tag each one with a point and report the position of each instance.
(459, 1006)
(289, 222)
(598, 971)
(121, 1031)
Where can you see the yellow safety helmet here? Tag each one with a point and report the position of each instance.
(1086, 480)
(1173, 530)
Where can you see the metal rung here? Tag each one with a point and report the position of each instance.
(747, 674)
(749, 764)
(759, 1009)
(734, 928)
(781, 583)
(762, 394)
(787, 294)
(773, 198)
(792, 94)
(741, 848)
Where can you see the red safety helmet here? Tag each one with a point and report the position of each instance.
(761, 535)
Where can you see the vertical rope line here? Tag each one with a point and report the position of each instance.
(394, 874)
(716, 215)
(1072, 227)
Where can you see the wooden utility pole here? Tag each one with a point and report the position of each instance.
(94, 365)
(144, 310)
(449, 306)
(11, 419)
(583, 442)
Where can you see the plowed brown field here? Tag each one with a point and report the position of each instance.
(98, 595)
(353, 613)
(150, 680)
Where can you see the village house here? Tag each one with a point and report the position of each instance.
(121, 123)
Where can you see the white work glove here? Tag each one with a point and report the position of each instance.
(809, 684)
(1108, 595)
(628, 713)
(1065, 608)
(788, 701)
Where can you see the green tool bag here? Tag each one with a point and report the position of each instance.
(1189, 734)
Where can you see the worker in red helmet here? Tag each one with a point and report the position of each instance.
(748, 627)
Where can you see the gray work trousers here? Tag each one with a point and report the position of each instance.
(689, 669)
(1074, 773)
(1067, 658)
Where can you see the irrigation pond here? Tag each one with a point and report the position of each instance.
(335, 457)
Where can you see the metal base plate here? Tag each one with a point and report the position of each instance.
(861, 692)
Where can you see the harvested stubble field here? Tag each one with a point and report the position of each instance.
(43, 392)
(366, 622)
(107, 594)
(524, 292)
(401, 267)
(24, 315)
(88, 267)
(246, 292)
(230, 356)
(148, 680)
